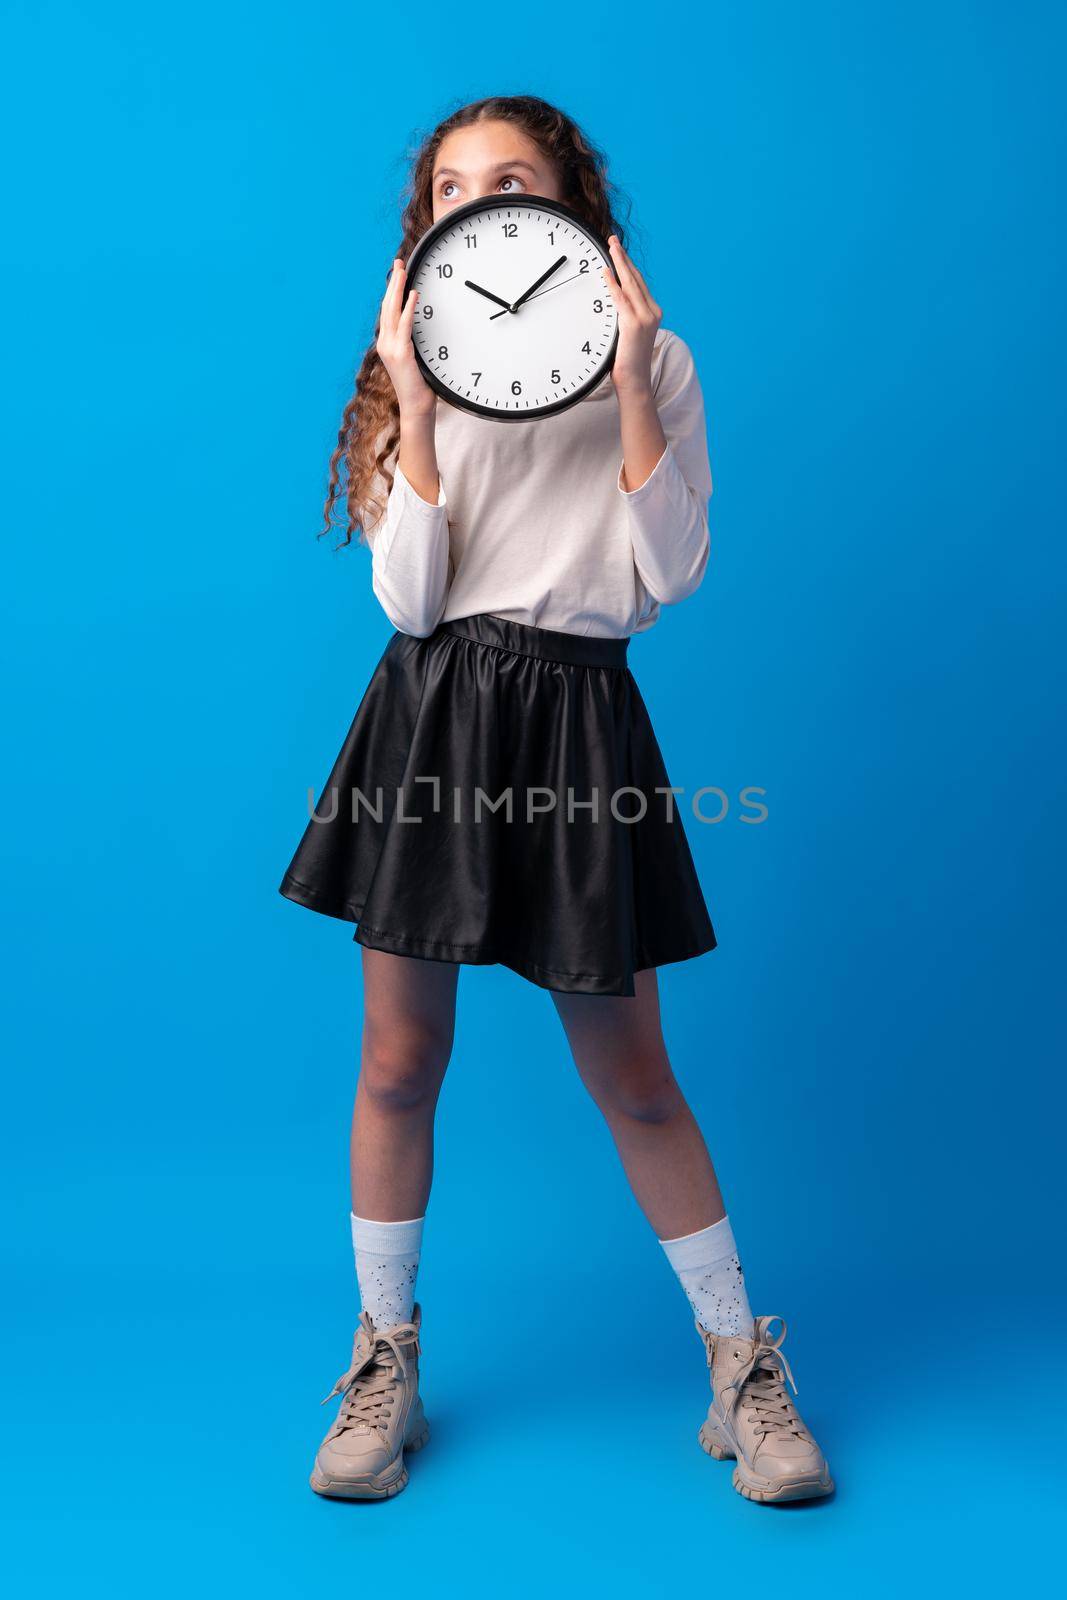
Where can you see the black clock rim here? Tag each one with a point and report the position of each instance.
(500, 202)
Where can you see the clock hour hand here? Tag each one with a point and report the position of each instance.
(488, 295)
(535, 286)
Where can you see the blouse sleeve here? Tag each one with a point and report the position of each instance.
(410, 564)
(669, 512)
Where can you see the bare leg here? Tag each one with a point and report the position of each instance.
(409, 1013)
(618, 1048)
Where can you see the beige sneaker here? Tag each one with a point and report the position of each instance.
(381, 1415)
(752, 1419)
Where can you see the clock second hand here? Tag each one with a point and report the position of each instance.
(535, 286)
(545, 291)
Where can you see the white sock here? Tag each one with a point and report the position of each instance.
(709, 1271)
(387, 1260)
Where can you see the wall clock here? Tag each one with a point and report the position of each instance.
(513, 319)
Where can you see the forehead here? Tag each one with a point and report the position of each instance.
(487, 144)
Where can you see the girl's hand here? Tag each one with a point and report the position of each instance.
(394, 346)
(639, 318)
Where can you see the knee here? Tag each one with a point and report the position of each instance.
(402, 1067)
(640, 1089)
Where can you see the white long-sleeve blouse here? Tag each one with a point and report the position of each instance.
(532, 522)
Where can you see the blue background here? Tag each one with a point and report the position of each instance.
(849, 213)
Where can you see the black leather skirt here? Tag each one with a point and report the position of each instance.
(496, 801)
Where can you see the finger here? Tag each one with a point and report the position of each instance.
(622, 263)
(393, 280)
(611, 272)
(639, 290)
(407, 320)
(616, 289)
(391, 299)
(644, 291)
(626, 269)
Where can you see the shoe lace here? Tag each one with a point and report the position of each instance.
(761, 1392)
(370, 1386)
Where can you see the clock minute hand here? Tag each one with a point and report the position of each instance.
(550, 290)
(488, 294)
(535, 286)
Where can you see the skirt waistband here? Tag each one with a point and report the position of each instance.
(546, 644)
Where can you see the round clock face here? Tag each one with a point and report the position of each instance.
(513, 319)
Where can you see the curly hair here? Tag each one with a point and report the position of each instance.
(370, 424)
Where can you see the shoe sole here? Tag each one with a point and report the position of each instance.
(766, 1491)
(379, 1486)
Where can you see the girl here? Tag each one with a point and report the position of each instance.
(514, 561)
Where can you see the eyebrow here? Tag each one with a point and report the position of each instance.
(498, 166)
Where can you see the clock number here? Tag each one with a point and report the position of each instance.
(516, 387)
(477, 378)
(586, 351)
(583, 266)
(555, 375)
(427, 312)
(472, 240)
(442, 352)
(445, 271)
(510, 229)
(598, 305)
(551, 236)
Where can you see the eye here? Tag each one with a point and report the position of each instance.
(445, 187)
(511, 178)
